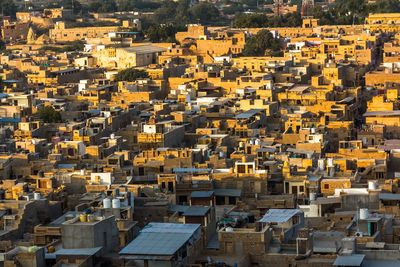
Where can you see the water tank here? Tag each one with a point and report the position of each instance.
(83, 217)
(364, 141)
(221, 154)
(321, 164)
(241, 144)
(313, 130)
(32, 249)
(112, 136)
(257, 142)
(313, 196)
(229, 229)
(364, 214)
(330, 162)
(90, 218)
(107, 203)
(36, 196)
(83, 172)
(252, 142)
(372, 185)
(116, 204)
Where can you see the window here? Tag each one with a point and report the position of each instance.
(182, 199)
(326, 186)
(220, 200)
(70, 152)
(241, 169)
(170, 186)
(301, 189)
(141, 171)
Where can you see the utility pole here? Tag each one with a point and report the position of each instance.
(278, 7)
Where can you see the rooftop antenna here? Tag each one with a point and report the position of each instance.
(278, 7)
(357, 215)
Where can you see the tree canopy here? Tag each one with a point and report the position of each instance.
(103, 6)
(49, 115)
(263, 43)
(354, 11)
(260, 20)
(181, 12)
(204, 12)
(163, 32)
(69, 47)
(8, 8)
(127, 5)
(131, 74)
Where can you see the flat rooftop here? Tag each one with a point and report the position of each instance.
(161, 239)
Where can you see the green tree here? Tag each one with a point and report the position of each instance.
(166, 13)
(257, 20)
(163, 33)
(183, 16)
(103, 6)
(385, 6)
(249, 3)
(354, 11)
(131, 75)
(69, 47)
(77, 6)
(49, 115)
(260, 20)
(233, 8)
(74, 46)
(8, 8)
(205, 13)
(263, 43)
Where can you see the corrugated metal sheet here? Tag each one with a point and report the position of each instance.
(352, 260)
(279, 215)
